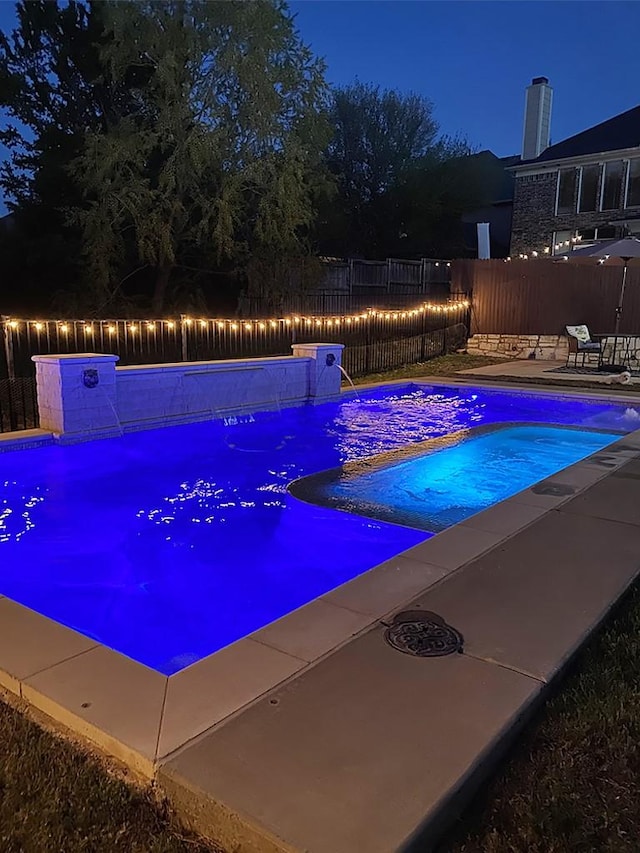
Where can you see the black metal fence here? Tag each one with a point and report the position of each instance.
(399, 352)
(194, 339)
(375, 341)
(18, 404)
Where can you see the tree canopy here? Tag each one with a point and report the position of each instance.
(188, 127)
(160, 145)
(396, 175)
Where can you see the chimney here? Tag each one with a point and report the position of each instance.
(537, 118)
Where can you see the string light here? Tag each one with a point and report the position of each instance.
(330, 322)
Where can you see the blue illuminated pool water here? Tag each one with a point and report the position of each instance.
(434, 491)
(170, 544)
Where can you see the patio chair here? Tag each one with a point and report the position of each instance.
(581, 343)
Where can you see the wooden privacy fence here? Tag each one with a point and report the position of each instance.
(541, 297)
(353, 285)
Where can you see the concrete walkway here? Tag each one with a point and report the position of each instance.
(374, 751)
(525, 369)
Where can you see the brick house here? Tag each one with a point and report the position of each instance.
(585, 188)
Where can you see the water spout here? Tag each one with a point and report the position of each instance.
(117, 423)
(348, 378)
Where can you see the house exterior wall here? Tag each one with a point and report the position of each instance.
(533, 212)
(534, 216)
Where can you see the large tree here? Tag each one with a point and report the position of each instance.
(223, 150)
(168, 135)
(53, 94)
(398, 191)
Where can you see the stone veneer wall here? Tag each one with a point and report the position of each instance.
(84, 396)
(546, 347)
(554, 348)
(534, 218)
(534, 203)
(153, 395)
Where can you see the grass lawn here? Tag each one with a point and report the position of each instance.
(57, 798)
(571, 783)
(445, 365)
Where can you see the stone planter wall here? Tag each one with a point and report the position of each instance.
(546, 347)
(554, 348)
(86, 396)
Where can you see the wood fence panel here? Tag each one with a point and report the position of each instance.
(541, 297)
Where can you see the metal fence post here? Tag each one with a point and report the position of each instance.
(183, 338)
(8, 347)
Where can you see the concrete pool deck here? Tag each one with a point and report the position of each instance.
(314, 734)
(541, 370)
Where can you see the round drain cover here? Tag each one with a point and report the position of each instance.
(423, 634)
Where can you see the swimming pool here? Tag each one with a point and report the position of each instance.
(170, 544)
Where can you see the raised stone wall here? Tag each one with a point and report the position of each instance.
(85, 396)
(624, 350)
(159, 394)
(545, 347)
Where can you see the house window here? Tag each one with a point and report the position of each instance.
(587, 233)
(567, 191)
(561, 242)
(612, 185)
(589, 188)
(633, 185)
(606, 232)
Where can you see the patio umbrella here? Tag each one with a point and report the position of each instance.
(625, 249)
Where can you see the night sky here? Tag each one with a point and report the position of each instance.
(474, 59)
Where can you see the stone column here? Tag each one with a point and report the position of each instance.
(77, 395)
(324, 369)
